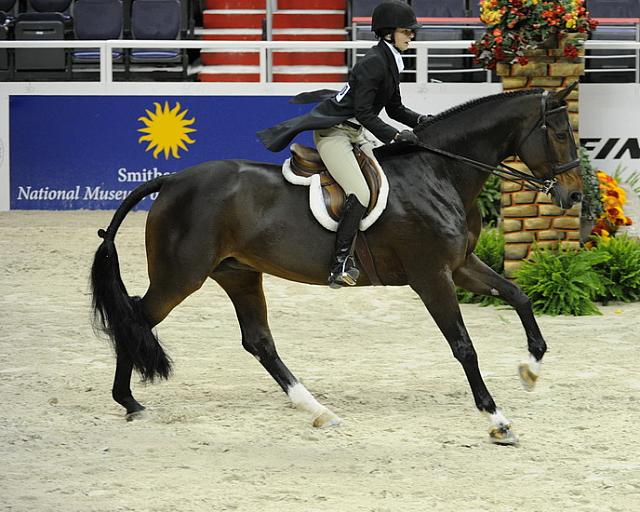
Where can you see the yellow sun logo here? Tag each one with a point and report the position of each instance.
(166, 130)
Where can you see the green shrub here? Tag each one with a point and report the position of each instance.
(490, 249)
(562, 282)
(591, 203)
(620, 271)
(489, 201)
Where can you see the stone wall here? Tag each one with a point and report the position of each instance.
(529, 217)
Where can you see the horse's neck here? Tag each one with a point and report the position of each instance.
(488, 133)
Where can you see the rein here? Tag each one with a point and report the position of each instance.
(501, 170)
(508, 173)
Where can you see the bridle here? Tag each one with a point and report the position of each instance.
(508, 173)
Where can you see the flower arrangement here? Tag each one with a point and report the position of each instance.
(515, 27)
(613, 199)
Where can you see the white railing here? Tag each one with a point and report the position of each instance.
(424, 51)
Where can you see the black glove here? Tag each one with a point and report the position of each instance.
(424, 117)
(406, 136)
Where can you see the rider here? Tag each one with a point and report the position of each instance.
(346, 118)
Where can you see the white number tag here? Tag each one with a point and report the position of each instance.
(343, 92)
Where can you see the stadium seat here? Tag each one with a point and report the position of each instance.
(7, 8)
(439, 8)
(96, 20)
(44, 20)
(439, 59)
(363, 8)
(474, 7)
(614, 8)
(613, 65)
(40, 26)
(57, 6)
(156, 19)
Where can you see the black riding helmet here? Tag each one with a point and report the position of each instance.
(393, 14)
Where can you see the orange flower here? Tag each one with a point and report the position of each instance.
(613, 199)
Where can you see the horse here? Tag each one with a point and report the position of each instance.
(234, 220)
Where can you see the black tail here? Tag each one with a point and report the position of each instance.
(114, 311)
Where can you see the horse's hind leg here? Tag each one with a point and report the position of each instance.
(477, 277)
(170, 284)
(438, 295)
(244, 288)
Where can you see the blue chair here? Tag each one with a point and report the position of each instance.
(158, 20)
(96, 20)
(439, 8)
(474, 7)
(363, 8)
(614, 8)
(433, 32)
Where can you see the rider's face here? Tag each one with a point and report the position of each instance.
(402, 38)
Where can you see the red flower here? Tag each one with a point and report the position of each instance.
(570, 51)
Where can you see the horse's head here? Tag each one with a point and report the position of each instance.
(549, 149)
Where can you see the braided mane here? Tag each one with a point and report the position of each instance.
(472, 103)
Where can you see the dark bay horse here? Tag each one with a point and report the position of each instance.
(234, 220)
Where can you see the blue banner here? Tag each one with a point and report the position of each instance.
(89, 152)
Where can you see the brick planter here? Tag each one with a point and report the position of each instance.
(528, 217)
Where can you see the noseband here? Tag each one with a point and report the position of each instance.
(508, 173)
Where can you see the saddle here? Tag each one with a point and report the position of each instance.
(305, 167)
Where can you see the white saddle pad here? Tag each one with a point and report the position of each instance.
(316, 200)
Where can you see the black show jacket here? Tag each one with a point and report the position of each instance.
(374, 84)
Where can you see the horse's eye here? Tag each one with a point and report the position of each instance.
(561, 135)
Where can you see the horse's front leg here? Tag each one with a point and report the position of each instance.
(477, 277)
(437, 292)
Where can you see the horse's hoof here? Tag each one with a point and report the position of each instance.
(326, 419)
(527, 377)
(138, 414)
(503, 435)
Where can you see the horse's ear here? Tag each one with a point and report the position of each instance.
(562, 94)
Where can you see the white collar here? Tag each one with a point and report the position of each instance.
(397, 56)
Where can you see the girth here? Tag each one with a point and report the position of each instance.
(306, 161)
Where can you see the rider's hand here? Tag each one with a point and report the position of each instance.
(424, 117)
(406, 136)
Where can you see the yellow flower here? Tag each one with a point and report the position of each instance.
(491, 17)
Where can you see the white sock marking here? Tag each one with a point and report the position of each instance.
(304, 400)
(534, 365)
(498, 419)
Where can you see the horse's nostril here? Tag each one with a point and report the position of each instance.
(576, 197)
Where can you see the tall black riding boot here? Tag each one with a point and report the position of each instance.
(343, 266)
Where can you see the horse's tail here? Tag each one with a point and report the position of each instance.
(116, 313)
